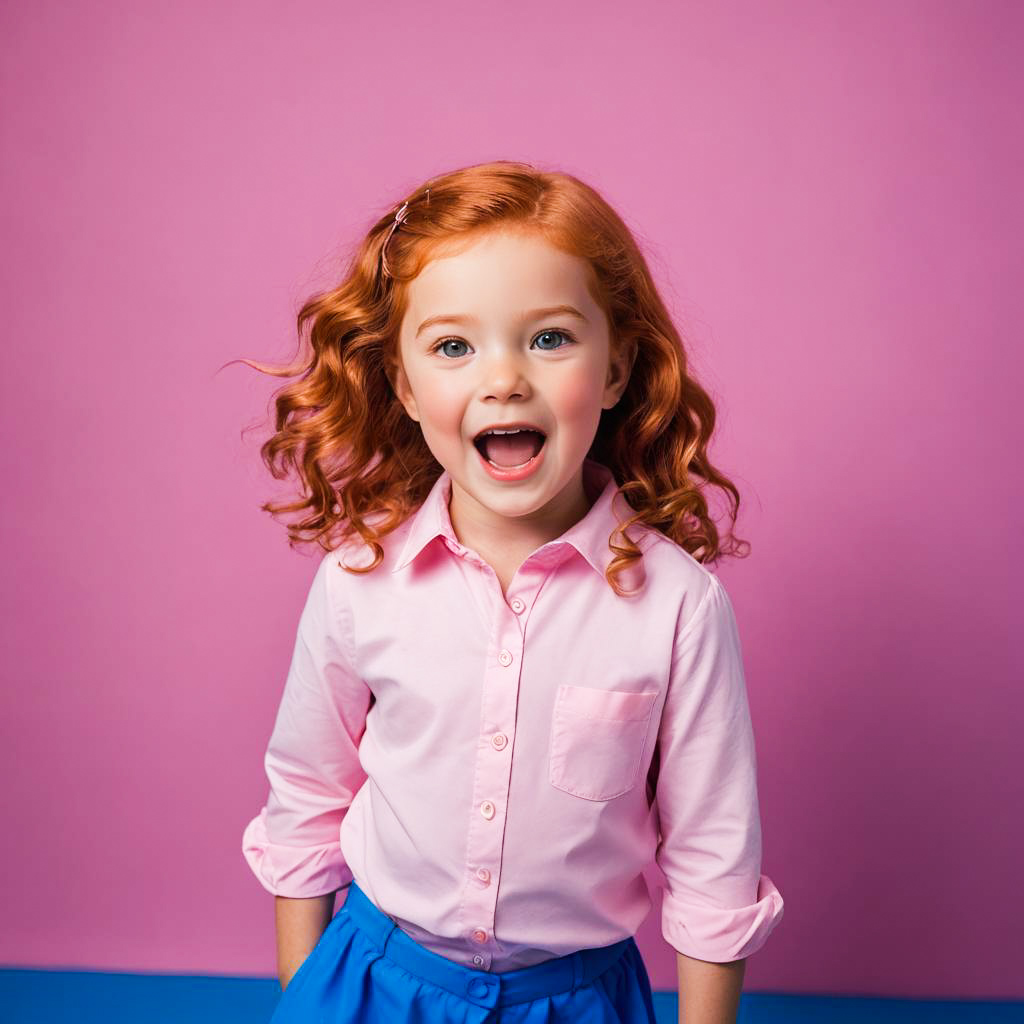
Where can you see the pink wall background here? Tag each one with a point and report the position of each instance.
(830, 198)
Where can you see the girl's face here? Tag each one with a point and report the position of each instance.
(481, 344)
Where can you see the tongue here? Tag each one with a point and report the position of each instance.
(512, 449)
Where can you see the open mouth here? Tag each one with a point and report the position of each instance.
(510, 448)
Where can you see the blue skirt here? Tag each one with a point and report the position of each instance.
(366, 970)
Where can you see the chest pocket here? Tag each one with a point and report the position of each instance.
(597, 740)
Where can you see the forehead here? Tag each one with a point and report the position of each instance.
(502, 271)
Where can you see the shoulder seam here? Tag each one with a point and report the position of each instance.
(701, 609)
(340, 614)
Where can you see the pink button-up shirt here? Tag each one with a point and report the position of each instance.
(496, 770)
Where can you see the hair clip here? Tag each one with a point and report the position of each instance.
(400, 215)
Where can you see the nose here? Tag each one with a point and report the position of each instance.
(504, 376)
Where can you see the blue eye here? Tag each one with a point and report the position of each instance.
(568, 338)
(561, 333)
(448, 341)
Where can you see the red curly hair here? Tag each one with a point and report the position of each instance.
(363, 464)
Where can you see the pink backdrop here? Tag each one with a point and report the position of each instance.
(830, 198)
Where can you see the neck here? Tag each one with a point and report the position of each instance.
(483, 530)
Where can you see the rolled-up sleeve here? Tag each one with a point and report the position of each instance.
(717, 906)
(312, 759)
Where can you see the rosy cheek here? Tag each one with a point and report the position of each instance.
(573, 400)
(443, 407)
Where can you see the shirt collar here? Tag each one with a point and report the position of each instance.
(589, 536)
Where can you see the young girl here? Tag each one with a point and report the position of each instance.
(515, 682)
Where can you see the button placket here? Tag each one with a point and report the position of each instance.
(499, 700)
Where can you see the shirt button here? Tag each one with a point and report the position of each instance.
(487, 809)
(483, 874)
(478, 959)
(480, 935)
(505, 657)
(499, 740)
(517, 605)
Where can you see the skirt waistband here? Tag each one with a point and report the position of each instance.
(561, 974)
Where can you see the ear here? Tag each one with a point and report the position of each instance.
(400, 385)
(620, 366)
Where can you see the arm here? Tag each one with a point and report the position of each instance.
(709, 993)
(718, 907)
(312, 763)
(299, 924)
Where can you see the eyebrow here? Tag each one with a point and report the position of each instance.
(465, 318)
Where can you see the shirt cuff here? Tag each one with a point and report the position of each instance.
(298, 872)
(721, 935)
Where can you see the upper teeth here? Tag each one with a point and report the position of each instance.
(513, 430)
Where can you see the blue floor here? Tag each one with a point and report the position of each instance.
(91, 997)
